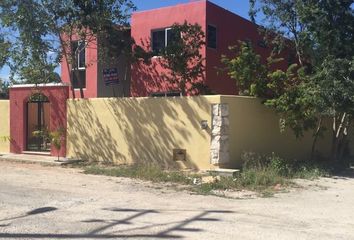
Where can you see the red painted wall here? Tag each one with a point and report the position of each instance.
(147, 79)
(230, 29)
(91, 72)
(57, 96)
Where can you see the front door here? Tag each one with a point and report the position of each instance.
(38, 119)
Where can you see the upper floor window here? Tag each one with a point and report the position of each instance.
(79, 78)
(78, 48)
(162, 38)
(212, 37)
(79, 64)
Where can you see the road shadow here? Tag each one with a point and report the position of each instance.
(170, 229)
(32, 212)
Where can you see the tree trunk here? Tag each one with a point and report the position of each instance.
(316, 135)
(334, 148)
(125, 82)
(182, 86)
(81, 90)
(71, 82)
(339, 137)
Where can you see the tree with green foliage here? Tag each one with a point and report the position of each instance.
(322, 32)
(38, 72)
(4, 50)
(333, 86)
(255, 78)
(246, 68)
(4, 47)
(45, 31)
(318, 28)
(55, 137)
(183, 59)
(282, 22)
(274, 85)
(4, 89)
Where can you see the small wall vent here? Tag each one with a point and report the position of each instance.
(179, 154)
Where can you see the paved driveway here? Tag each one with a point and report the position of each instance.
(54, 203)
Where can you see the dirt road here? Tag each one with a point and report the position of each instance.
(39, 202)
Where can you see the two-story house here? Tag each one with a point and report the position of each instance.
(150, 30)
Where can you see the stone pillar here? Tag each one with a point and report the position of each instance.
(219, 151)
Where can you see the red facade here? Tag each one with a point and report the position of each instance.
(146, 78)
(230, 28)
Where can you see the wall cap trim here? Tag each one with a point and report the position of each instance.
(40, 85)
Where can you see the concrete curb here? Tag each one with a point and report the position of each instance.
(35, 159)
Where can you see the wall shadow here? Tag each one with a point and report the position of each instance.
(146, 72)
(345, 174)
(150, 76)
(139, 130)
(99, 145)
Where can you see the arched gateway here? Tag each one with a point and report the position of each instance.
(35, 111)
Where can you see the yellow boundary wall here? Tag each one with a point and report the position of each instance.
(4, 125)
(140, 130)
(255, 128)
(146, 130)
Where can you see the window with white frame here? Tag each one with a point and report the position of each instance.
(79, 64)
(161, 38)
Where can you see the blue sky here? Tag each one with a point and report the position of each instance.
(239, 7)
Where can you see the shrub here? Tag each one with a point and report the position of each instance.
(260, 173)
(252, 160)
(279, 165)
(258, 179)
(147, 172)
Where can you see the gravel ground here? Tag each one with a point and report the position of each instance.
(38, 202)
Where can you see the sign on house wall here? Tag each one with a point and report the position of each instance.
(110, 76)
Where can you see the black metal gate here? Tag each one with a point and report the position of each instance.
(38, 118)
